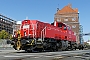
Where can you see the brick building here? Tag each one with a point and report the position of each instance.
(69, 16)
(7, 24)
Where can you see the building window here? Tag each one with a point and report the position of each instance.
(74, 33)
(69, 28)
(58, 20)
(5, 21)
(1, 19)
(73, 26)
(66, 19)
(73, 19)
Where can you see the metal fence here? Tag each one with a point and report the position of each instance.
(3, 43)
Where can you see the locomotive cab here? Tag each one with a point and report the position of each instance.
(60, 25)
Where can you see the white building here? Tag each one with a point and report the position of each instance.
(88, 43)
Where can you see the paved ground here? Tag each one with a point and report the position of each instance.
(6, 48)
(12, 54)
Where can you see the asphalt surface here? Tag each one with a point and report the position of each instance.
(11, 54)
(6, 48)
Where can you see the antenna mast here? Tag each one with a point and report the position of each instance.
(58, 7)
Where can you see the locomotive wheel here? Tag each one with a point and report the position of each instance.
(18, 45)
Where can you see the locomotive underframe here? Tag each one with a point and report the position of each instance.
(47, 45)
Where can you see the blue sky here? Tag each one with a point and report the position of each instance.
(44, 10)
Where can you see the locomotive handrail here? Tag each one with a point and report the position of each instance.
(42, 33)
(32, 28)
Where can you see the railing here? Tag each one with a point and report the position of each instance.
(4, 44)
(33, 29)
(43, 33)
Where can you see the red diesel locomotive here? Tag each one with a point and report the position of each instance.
(40, 36)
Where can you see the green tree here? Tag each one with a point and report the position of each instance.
(10, 37)
(3, 34)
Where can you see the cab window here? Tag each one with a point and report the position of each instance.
(60, 25)
(69, 28)
(65, 28)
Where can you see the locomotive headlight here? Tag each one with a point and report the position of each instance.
(27, 41)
